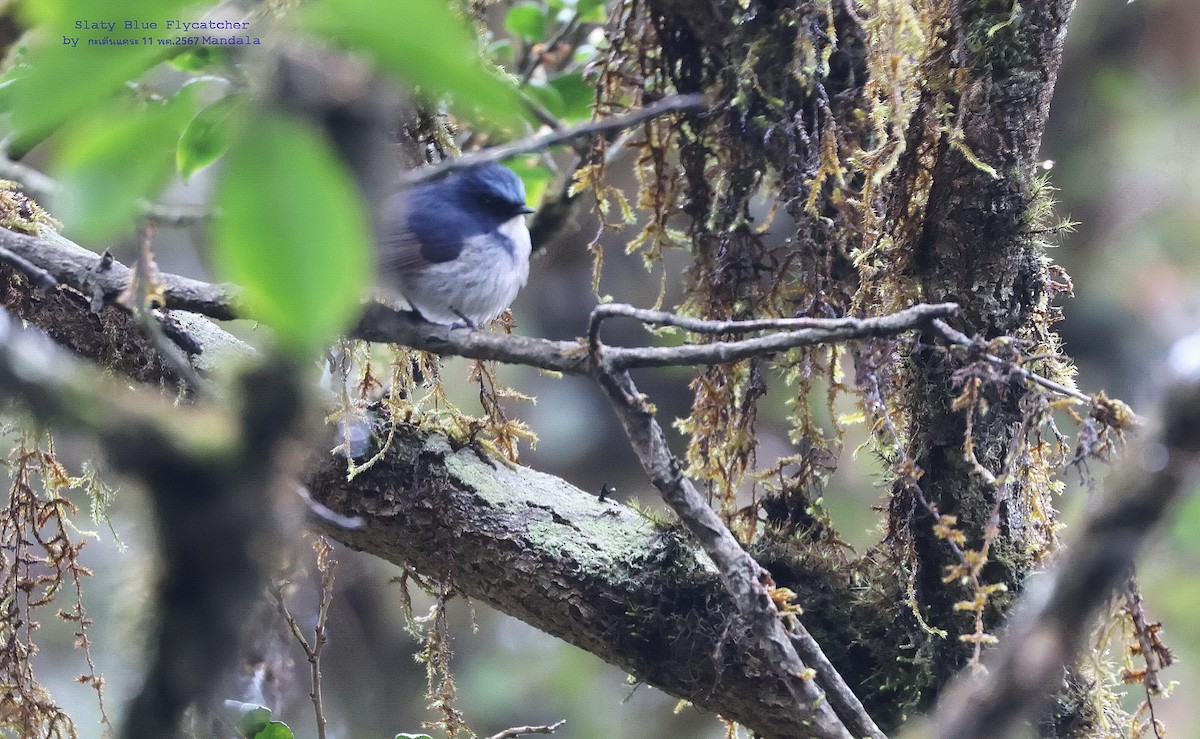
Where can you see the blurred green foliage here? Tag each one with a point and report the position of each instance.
(55, 82)
(293, 231)
(117, 154)
(423, 43)
(208, 135)
(527, 20)
(289, 225)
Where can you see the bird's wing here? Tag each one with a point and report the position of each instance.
(415, 233)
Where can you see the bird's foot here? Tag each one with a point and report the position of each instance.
(464, 322)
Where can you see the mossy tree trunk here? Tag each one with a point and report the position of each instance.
(902, 139)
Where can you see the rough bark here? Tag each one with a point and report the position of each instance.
(976, 246)
(598, 576)
(593, 573)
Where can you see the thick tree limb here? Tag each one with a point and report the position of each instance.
(40, 277)
(103, 279)
(595, 574)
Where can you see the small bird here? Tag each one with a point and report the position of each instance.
(457, 249)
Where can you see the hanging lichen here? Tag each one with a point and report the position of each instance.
(42, 571)
(839, 115)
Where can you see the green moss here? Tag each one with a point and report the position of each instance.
(995, 38)
(19, 212)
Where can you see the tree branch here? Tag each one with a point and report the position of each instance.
(595, 574)
(40, 277)
(1050, 625)
(958, 338)
(104, 278)
(523, 730)
(823, 331)
(701, 326)
(744, 578)
(666, 106)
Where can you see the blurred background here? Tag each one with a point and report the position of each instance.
(1123, 135)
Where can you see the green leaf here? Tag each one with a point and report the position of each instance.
(549, 97)
(251, 717)
(423, 43)
(62, 81)
(202, 58)
(501, 50)
(293, 231)
(208, 134)
(577, 96)
(592, 11)
(275, 730)
(111, 160)
(527, 20)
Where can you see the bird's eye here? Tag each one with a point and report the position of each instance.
(497, 204)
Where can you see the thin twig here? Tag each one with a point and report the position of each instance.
(666, 106)
(744, 578)
(522, 730)
(321, 632)
(944, 330)
(801, 329)
(1154, 653)
(312, 650)
(722, 352)
(702, 326)
(840, 694)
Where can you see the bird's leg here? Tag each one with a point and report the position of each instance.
(466, 322)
